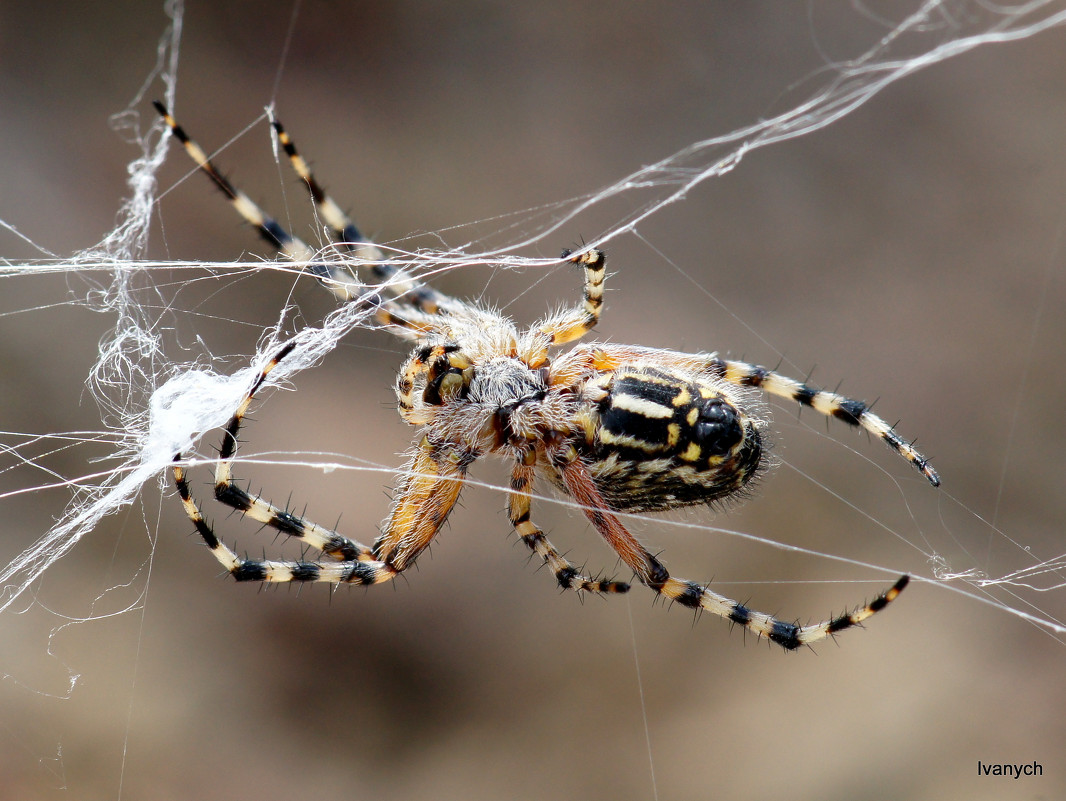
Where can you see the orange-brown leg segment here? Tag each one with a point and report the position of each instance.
(426, 495)
(565, 573)
(654, 574)
(429, 489)
(354, 562)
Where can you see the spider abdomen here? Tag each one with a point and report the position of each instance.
(664, 438)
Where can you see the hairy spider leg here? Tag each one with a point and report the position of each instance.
(329, 542)
(227, 492)
(606, 357)
(271, 570)
(446, 368)
(853, 412)
(568, 576)
(427, 493)
(346, 234)
(653, 574)
(570, 324)
(429, 488)
(336, 276)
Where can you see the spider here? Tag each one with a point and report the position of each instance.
(618, 428)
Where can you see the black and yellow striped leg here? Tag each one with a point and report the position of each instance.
(410, 318)
(328, 542)
(853, 412)
(363, 572)
(568, 576)
(407, 290)
(607, 357)
(428, 491)
(335, 276)
(654, 574)
(573, 323)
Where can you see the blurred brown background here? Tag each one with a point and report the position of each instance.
(913, 250)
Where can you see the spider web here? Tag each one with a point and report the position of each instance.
(161, 388)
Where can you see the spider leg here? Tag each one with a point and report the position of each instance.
(428, 491)
(652, 573)
(416, 310)
(329, 542)
(406, 289)
(604, 357)
(566, 574)
(336, 276)
(573, 323)
(427, 494)
(359, 571)
(444, 365)
(227, 492)
(853, 412)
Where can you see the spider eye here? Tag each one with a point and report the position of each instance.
(717, 428)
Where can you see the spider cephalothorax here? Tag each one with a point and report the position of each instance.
(618, 428)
